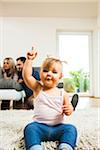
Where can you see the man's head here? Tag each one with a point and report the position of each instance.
(20, 63)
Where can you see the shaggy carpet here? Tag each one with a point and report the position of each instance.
(12, 123)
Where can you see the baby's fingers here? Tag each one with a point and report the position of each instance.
(31, 54)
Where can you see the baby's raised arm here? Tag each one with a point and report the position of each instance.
(27, 71)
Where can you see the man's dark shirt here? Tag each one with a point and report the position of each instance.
(28, 91)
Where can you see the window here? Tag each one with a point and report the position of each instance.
(74, 48)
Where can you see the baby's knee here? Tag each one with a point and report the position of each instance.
(29, 127)
(71, 128)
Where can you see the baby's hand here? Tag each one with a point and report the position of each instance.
(67, 109)
(31, 54)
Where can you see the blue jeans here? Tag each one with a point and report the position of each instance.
(35, 133)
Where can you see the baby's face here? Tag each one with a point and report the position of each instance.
(51, 75)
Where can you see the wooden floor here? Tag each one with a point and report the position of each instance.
(86, 102)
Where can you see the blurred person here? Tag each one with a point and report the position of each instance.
(8, 77)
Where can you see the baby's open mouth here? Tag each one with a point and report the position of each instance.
(48, 78)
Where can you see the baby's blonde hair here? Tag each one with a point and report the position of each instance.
(49, 61)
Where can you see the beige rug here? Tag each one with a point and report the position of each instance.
(12, 123)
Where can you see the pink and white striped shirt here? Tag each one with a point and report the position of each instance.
(48, 108)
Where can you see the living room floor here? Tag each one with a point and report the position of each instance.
(86, 102)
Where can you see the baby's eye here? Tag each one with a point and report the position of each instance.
(54, 71)
(45, 70)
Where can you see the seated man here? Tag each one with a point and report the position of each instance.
(29, 94)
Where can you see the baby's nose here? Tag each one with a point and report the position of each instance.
(49, 72)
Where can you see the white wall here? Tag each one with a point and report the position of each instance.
(1, 39)
(96, 58)
(20, 33)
